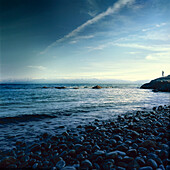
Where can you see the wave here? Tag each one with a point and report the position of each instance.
(25, 118)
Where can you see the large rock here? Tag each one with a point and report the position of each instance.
(159, 84)
(97, 87)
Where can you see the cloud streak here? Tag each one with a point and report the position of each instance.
(37, 67)
(145, 47)
(111, 10)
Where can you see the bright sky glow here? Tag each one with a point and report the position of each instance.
(113, 39)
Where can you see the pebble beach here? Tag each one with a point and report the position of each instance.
(137, 140)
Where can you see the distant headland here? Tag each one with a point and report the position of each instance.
(161, 84)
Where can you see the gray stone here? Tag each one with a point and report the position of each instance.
(132, 152)
(140, 161)
(60, 164)
(148, 144)
(112, 155)
(108, 164)
(86, 164)
(152, 163)
(69, 168)
(146, 168)
(127, 159)
(162, 167)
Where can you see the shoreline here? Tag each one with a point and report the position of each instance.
(133, 140)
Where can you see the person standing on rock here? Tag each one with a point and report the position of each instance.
(162, 73)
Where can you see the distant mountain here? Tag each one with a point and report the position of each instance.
(72, 81)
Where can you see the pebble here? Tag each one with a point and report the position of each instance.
(140, 161)
(86, 164)
(69, 168)
(132, 152)
(146, 168)
(152, 163)
(60, 164)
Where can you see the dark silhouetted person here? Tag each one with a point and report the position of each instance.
(162, 73)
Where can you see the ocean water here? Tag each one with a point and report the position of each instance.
(26, 111)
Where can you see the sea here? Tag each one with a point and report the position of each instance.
(29, 110)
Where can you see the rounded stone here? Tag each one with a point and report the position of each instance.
(69, 168)
(60, 164)
(122, 147)
(86, 164)
(146, 168)
(152, 163)
(132, 152)
(140, 161)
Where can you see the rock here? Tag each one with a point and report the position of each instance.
(146, 168)
(97, 87)
(69, 168)
(142, 150)
(112, 155)
(75, 88)
(118, 138)
(168, 167)
(35, 147)
(65, 134)
(159, 84)
(108, 164)
(97, 167)
(72, 152)
(132, 153)
(63, 154)
(133, 164)
(8, 161)
(162, 167)
(122, 147)
(113, 142)
(78, 148)
(152, 163)
(60, 164)
(140, 161)
(120, 168)
(163, 154)
(152, 156)
(90, 128)
(86, 164)
(134, 134)
(164, 147)
(127, 159)
(99, 153)
(35, 166)
(60, 87)
(45, 135)
(122, 164)
(134, 145)
(148, 144)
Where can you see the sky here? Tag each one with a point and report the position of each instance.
(84, 39)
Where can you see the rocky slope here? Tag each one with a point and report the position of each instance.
(159, 84)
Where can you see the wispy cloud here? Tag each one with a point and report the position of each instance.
(145, 47)
(156, 48)
(158, 56)
(154, 26)
(133, 52)
(80, 38)
(93, 8)
(37, 67)
(160, 25)
(111, 10)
